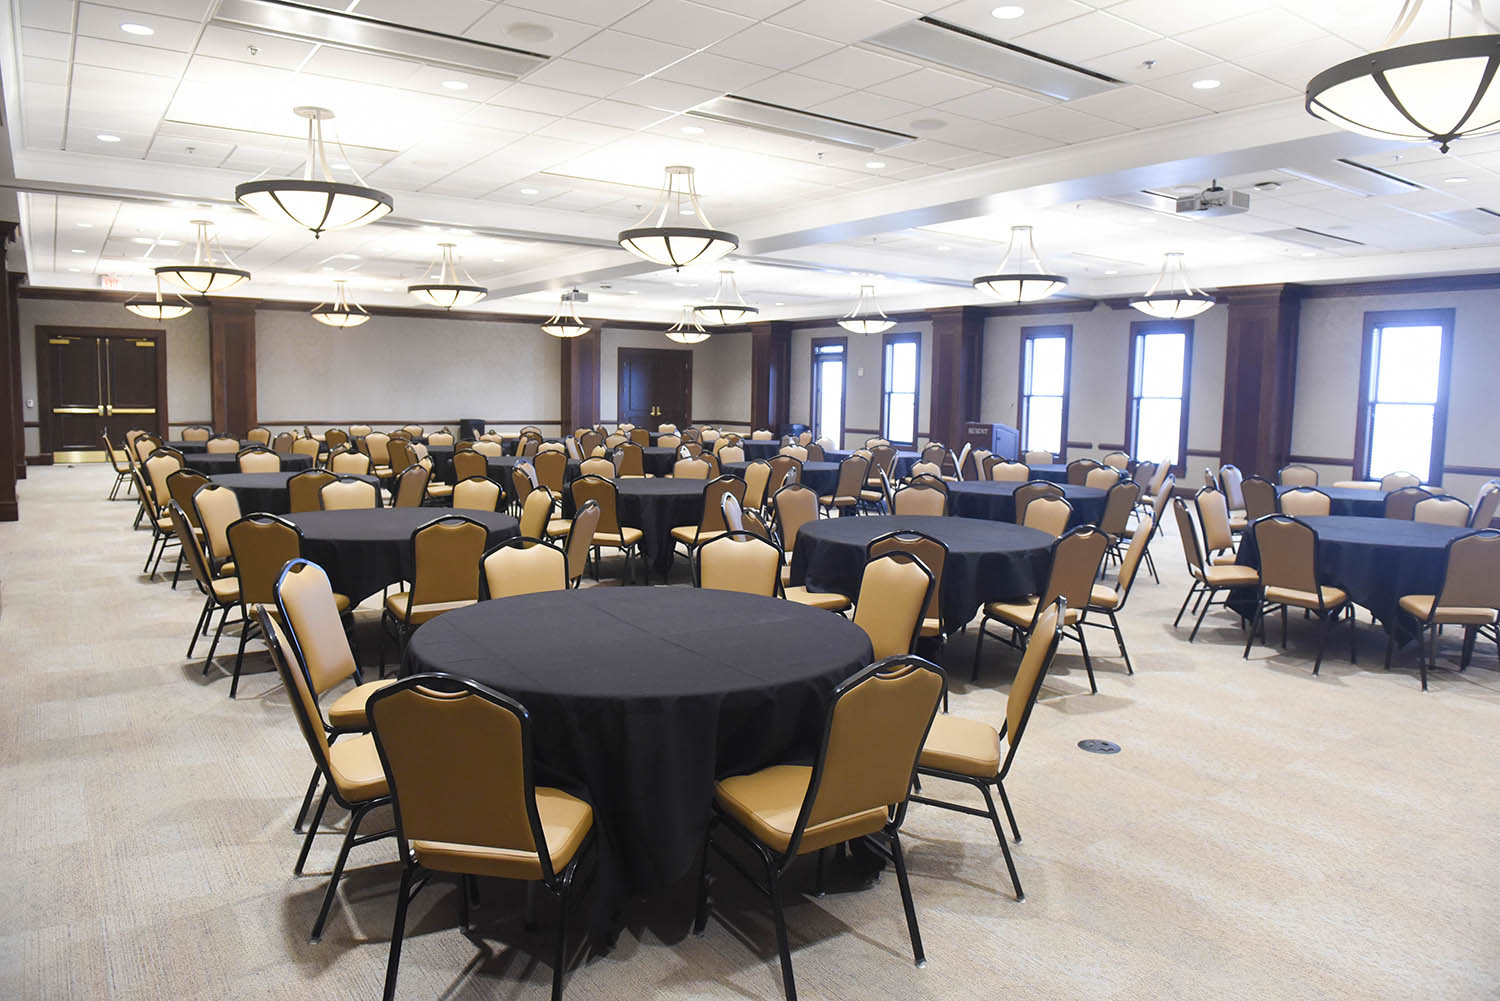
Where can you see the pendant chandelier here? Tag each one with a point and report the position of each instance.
(662, 238)
(316, 203)
(565, 322)
(728, 306)
(158, 308)
(866, 317)
(1022, 277)
(687, 330)
(206, 275)
(1437, 91)
(447, 292)
(341, 312)
(1173, 297)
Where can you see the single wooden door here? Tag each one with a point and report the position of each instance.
(131, 372)
(656, 386)
(75, 392)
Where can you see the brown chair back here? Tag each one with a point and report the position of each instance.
(304, 597)
(793, 506)
(334, 437)
(347, 493)
(1034, 490)
(580, 538)
(853, 472)
(1078, 471)
(376, 444)
(1288, 554)
(597, 467)
(1075, 564)
(1485, 505)
(307, 446)
(1041, 647)
(1191, 551)
(757, 478)
(691, 469)
(932, 552)
(1259, 495)
(469, 463)
(784, 469)
(738, 561)
(1101, 477)
(815, 452)
(196, 432)
(536, 511)
(604, 494)
(192, 549)
(523, 566)
(401, 455)
(630, 460)
(1213, 515)
(1443, 510)
(492, 449)
(440, 438)
(1230, 478)
(1469, 577)
(1132, 560)
(411, 487)
(551, 469)
(1118, 460)
(304, 487)
(158, 466)
(1304, 502)
(1118, 503)
(182, 484)
(261, 545)
(1008, 472)
(894, 591)
(712, 518)
(1402, 503)
(1038, 457)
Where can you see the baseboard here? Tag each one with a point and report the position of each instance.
(39, 460)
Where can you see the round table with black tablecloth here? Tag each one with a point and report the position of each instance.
(904, 460)
(987, 560)
(268, 492)
(502, 471)
(367, 549)
(1053, 472)
(760, 449)
(1375, 560)
(996, 501)
(1350, 501)
(197, 447)
(658, 461)
(656, 505)
(640, 698)
(822, 477)
(219, 463)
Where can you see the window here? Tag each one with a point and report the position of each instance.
(1156, 419)
(1403, 393)
(828, 355)
(898, 402)
(1044, 387)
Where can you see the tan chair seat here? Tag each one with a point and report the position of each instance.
(966, 746)
(689, 534)
(829, 500)
(627, 537)
(439, 490)
(565, 823)
(932, 627)
(872, 496)
(396, 605)
(1332, 597)
(226, 589)
(355, 766)
(830, 601)
(1104, 596)
(1238, 520)
(347, 712)
(1419, 606)
(1231, 576)
(766, 803)
(786, 575)
(1226, 559)
(558, 527)
(1020, 613)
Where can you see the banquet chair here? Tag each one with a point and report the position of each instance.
(334, 437)
(1305, 502)
(1397, 480)
(691, 469)
(1102, 477)
(882, 459)
(762, 436)
(1145, 473)
(1038, 457)
(470, 463)
(934, 452)
(215, 508)
(259, 460)
(737, 561)
(1078, 471)
(1469, 597)
(490, 449)
(1260, 497)
(672, 441)
(1402, 502)
(1033, 490)
(146, 442)
(597, 467)
(359, 430)
(711, 520)
(119, 461)
(551, 470)
(411, 486)
(1110, 601)
(798, 452)
(220, 592)
(350, 464)
(613, 441)
(1208, 579)
(856, 787)
(303, 490)
(1290, 575)
(415, 430)
(640, 436)
(440, 438)
(895, 590)
(377, 445)
(530, 429)
(968, 750)
(196, 432)
(1118, 460)
(575, 452)
(1075, 563)
(666, 428)
(1295, 474)
(310, 447)
(1485, 505)
(181, 485)
(551, 446)
(958, 461)
(1048, 514)
(529, 445)
(1119, 501)
(853, 472)
(1213, 515)
(920, 499)
(581, 528)
(400, 456)
(1443, 511)
(1230, 481)
(794, 506)
(155, 494)
(757, 478)
(730, 453)
(522, 565)
(536, 514)
(630, 460)
(1158, 510)
(350, 769)
(283, 442)
(877, 498)
(457, 756)
(608, 532)
(347, 493)
(476, 493)
(756, 525)
(977, 460)
(691, 450)
(222, 445)
(445, 556)
(816, 452)
(784, 469)
(931, 553)
(1006, 472)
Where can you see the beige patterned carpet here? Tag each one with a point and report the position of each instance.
(1263, 834)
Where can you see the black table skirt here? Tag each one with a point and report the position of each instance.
(904, 460)
(760, 449)
(656, 506)
(1351, 501)
(368, 549)
(658, 461)
(996, 501)
(640, 698)
(822, 477)
(1376, 560)
(227, 462)
(987, 560)
(268, 492)
(1054, 472)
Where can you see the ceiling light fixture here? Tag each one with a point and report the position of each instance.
(342, 311)
(447, 291)
(319, 204)
(1206, 84)
(1455, 180)
(1022, 277)
(565, 322)
(530, 191)
(206, 275)
(1437, 91)
(1009, 12)
(866, 317)
(728, 307)
(158, 308)
(131, 28)
(876, 164)
(106, 137)
(653, 240)
(455, 85)
(692, 130)
(1173, 297)
(687, 329)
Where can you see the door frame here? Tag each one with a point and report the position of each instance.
(44, 371)
(677, 354)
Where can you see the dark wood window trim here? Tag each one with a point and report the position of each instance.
(1396, 318)
(812, 387)
(1138, 328)
(907, 337)
(1029, 334)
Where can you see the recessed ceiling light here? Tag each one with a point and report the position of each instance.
(105, 137)
(530, 191)
(692, 130)
(876, 164)
(945, 247)
(632, 292)
(1205, 84)
(529, 32)
(497, 260)
(781, 304)
(1111, 271)
(327, 267)
(1455, 180)
(85, 225)
(77, 251)
(1009, 12)
(74, 270)
(1309, 253)
(455, 85)
(131, 28)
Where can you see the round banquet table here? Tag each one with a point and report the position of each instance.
(219, 463)
(640, 698)
(1351, 501)
(658, 461)
(502, 471)
(1055, 472)
(1376, 560)
(997, 501)
(822, 477)
(367, 549)
(760, 449)
(656, 505)
(904, 460)
(268, 492)
(195, 447)
(987, 560)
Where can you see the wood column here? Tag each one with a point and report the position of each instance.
(1260, 364)
(12, 455)
(231, 332)
(580, 380)
(957, 372)
(13, 318)
(770, 375)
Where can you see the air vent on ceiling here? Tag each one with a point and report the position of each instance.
(363, 34)
(801, 124)
(1475, 220)
(959, 48)
(1304, 237)
(1355, 178)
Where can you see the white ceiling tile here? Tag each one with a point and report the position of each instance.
(361, 67)
(528, 97)
(231, 43)
(477, 87)
(1164, 56)
(619, 114)
(1172, 17)
(975, 15)
(682, 22)
(987, 138)
(992, 103)
(194, 153)
(451, 17)
(868, 109)
(110, 54)
(929, 151)
(47, 14)
(45, 44)
(928, 86)
(857, 68)
(580, 78)
(665, 95)
(843, 20)
(532, 30)
(494, 115)
(714, 72)
(1137, 107)
(1295, 65)
(1238, 88)
(588, 11)
(53, 72)
(131, 144)
(794, 91)
(770, 45)
(1084, 38)
(631, 53)
(1065, 124)
(588, 133)
(1234, 38)
(104, 22)
(191, 10)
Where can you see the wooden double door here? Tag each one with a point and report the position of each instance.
(656, 387)
(92, 381)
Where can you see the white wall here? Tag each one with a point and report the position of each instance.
(861, 378)
(721, 373)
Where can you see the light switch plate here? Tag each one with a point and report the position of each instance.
(860, 372)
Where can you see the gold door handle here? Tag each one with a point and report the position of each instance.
(75, 410)
(132, 410)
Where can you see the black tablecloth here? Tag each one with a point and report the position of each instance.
(364, 550)
(1054, 472)
(227, 462)
(658, 461)
(1351, 501)
(502, 470)
(820, 476)
(996, 501)
(195, 447)
(640, 698)
(987, 560)
(760, 449)
(656, 506)
(1376, 560)
(904, 460)
(268, 492)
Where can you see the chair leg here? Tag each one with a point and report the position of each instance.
(1120, 640)
(560, 947)
(978, 641)
(338, 870)
(1010, 863)
(1283, 627)
(208, 662)
(239, 657)
(312, 831)
(918, 956)
(398, 933)
(1191, 591)
(177, 571)
(1353, 619)
(312, 787)
(1151, 566)
(1088, 662)
(1323, 629)
(208, 604)
(778, 913)
(1010, 814)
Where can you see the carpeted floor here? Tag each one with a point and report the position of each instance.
(1263, 834)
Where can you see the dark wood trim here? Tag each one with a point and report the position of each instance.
(770, 375)
(44, 371)
(1111, 447)
(1029, 334)
(886, 340)
(14, 282)
(1320, 460)
(1201, 453)
(1404, 286)
(579, 373)
(32, 424)
(41, 460)
(12, 449)
(869, 431)
(231, 343)
(1260, 355)
(956, 382)
(1137, 328)
(1077, 444)
(1048, 306)
(1472, 470)
(324, 422)
(1413, 317)
(812, 385)
(721, 420)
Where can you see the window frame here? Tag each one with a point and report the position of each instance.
(1029, 334)
(1138, 329)
(1363, 416)
(886, 341)
(812, 412)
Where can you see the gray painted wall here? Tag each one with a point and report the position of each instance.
(861, 379)
(721, 373)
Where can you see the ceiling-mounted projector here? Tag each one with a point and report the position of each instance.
(1214, 201)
